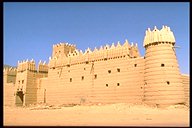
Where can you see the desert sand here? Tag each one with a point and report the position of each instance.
(97, 115)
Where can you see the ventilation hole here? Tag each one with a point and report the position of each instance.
(70, 79)
(118, 70)
(135, 65)
(84, 68)
(118, 84)
(168, 82)
(109, 71)
(95, 76)
(106, 85)
(82, 78)
(162, 65)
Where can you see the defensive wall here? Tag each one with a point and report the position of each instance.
(109, 74)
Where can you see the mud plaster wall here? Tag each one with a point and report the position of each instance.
(185, 81)
(8, 94)
(163, 83)
(94, 83)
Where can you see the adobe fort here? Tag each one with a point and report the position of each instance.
(110, 74)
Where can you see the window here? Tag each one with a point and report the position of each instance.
(82, 78)
(106, 85)
(135, 65)
(84, 68)
(70, 79)
(162, 65)
(22, 81)
(168, 82)
(118, 84)
(109, 71)
(19, 81)
(118, 69)
(95, 76)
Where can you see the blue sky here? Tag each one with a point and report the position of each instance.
(30, 29)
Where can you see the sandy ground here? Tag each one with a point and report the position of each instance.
(97, 115)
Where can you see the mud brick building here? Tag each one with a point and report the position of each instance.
(109, 74)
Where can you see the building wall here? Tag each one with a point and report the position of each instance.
(162, 76)
(9, 75)
(185, 81)
(8, 94)
(41, 90)
(94, 90)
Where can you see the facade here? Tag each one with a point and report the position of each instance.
(110, 74)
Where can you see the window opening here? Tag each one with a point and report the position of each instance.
(168, 82)
(162, 65)
(95, 76)
(118, 84)
(135, 65)
(106, 85)
(70, 79)
(82, 78)
(118, 69)
(109, 71)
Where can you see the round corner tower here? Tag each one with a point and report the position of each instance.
(162, 78)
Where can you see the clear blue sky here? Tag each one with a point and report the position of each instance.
(30, 29)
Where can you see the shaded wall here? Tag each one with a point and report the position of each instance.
(185, 81)
(8, 94)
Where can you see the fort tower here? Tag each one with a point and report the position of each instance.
(162, 78)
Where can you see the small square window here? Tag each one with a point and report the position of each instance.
(22, 81)
(95, 76)
(107, 85)
(19, 81)
(70, 79)
(84, 68)
(118, 84)
(82, 78)
(135, 65)
(109, 71)
(162, 65)
(168, 82)
(118, 69)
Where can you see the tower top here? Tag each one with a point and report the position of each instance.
(154, 36)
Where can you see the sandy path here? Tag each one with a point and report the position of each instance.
(110, 115)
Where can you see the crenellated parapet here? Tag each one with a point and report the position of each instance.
(164, 35)
(62, 49)
(42, 67)
(105, 52)
(31, 66)
(10, 71)
(26, 65)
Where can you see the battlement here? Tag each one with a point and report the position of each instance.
(98, 54)
(42, 67)
(31, 66)
(10, 70)
(62, 49)
(154, 36)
